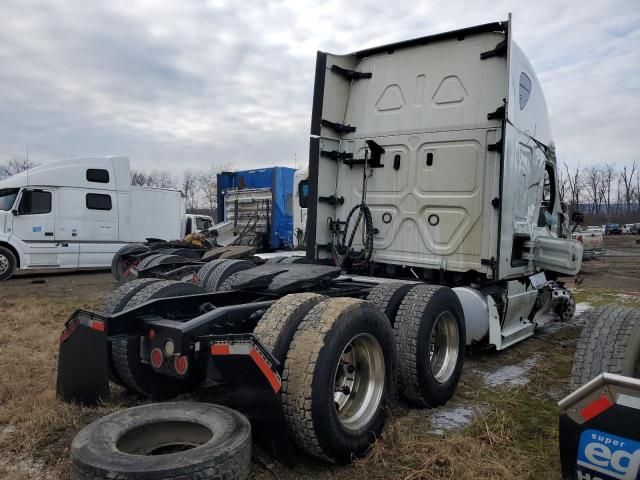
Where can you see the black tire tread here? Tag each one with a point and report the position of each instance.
(207, 268)
(299, 367)
(405, 329)
(388, 297)
(224, 271)
(273, 323)
(117, 300)
(144, 263)
(610, 335)
(13, 262)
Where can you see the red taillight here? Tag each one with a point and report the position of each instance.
(181, 364)
(156, 358)
(579, 239)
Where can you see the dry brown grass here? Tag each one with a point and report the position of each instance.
(514, 434)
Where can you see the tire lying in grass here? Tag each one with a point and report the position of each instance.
(169, 441)
(139, 377)
(338, 378)
(430, 336)
(276, 328)
(609, 342)
(207, 268)
(223, 271)
(388, 297)
(120, 263)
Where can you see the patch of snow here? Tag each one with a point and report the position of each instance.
(582, 307)
(32, 468)
(450, 417)
(511, 375)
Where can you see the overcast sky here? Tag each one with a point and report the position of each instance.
(187, 84)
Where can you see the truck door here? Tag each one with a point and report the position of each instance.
(34, 223)
(35, 219)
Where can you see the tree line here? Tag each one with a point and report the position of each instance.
(604, 191)
(198, 186)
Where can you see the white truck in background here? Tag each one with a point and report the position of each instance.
(76, 213)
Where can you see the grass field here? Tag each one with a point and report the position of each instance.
(502, 422)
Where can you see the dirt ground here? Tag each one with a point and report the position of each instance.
(502, 422)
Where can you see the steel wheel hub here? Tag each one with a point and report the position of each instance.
(359, 381)
(444, 347)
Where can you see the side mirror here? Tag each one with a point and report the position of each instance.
(303, 193)
(15, 212)
(577, 218)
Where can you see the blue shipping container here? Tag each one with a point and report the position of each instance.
(280, 181)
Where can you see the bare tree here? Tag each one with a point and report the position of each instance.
(627, 180)
(190, 189)
(608, 177)
(161, 179)
(575, 184)
(592, 184)
(208, 182)
(138, 178)
(15, 165)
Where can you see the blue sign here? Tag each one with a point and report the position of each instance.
(36, 229)
(609, 455)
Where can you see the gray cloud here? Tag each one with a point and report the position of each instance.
(179, 85)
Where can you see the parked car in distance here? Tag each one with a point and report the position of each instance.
(612, 229)
(626, 228)
(596, 228)
(635, 229)
(591, 239)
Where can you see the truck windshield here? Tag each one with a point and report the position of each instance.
(7, 197)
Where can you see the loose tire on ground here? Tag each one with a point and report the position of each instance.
(8, 263)
(223, 271)
(276, 328)
(430, 336)
(139, 377)
(388, 297)
(610, 342)
(207, 268)
(169, 441)
(340, 342)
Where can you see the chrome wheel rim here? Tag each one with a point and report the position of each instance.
(4, 264)
(359, 381)
(444, 347)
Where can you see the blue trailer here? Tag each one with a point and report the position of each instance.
(259, 202)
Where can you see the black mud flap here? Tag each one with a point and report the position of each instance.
(600, 430)
(82, 360)
(251, 374)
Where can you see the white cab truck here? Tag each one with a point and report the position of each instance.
(76, 213)
(432, 193)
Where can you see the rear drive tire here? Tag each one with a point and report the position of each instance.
(114, 303)
(120, 264)
(338, 378)
(7, 263)
(276, 328)
(272, 260)
(430, 335)
(610, 342)
(223, 271)
(388, 297)
(139, 377)
(144, 263)
(171, 441)
(295, 259)
(206, 270)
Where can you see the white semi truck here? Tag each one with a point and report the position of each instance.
(78, 212)
(434, 223)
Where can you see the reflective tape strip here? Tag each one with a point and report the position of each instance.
(220, 349)
(596, 407)
(272, 377)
